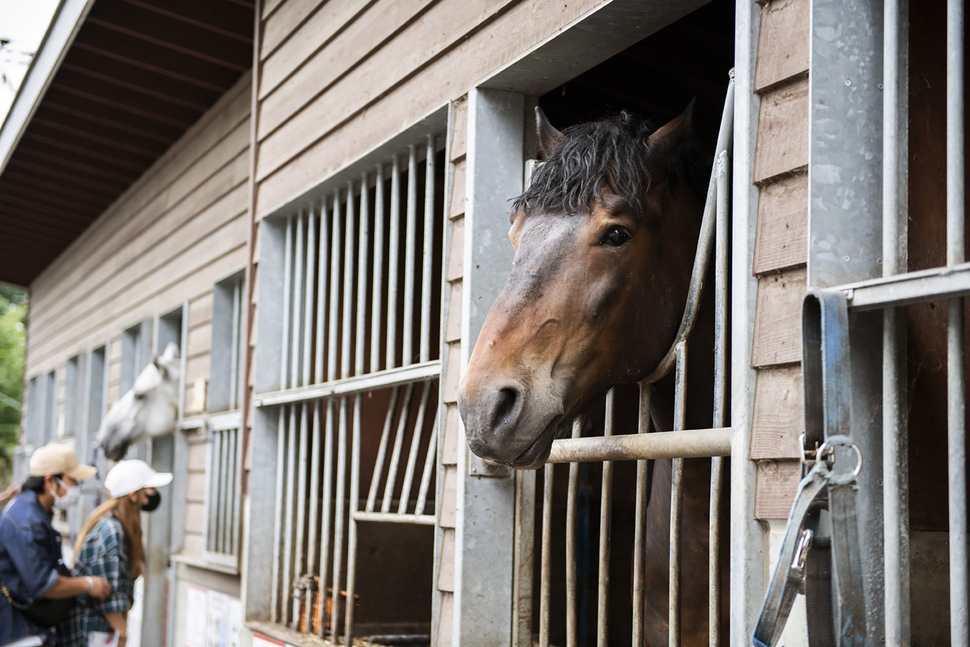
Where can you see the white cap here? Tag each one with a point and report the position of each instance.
(133, 475)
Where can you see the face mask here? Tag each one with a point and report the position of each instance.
(152, 503)
(70, 497)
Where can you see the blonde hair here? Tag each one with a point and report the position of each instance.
(129, 514)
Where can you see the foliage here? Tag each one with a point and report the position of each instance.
(13, 312)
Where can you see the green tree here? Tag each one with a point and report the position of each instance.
(13, 311)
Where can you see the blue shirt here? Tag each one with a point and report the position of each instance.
(30, 549)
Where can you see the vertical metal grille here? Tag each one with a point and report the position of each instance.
(222, 492)
(360, 342)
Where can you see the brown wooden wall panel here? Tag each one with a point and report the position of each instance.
(783, 42)
(451, 373)
(449, 498)
(457, 209)
(278, 28)
(126, 243)
(446, 573)
(176, 173)
(283, 58)
(200, 310)
(453, 325)
(459, 134)
(449, 451)
(779, 413)
(778, 318)
(777, 482)
(456, 252)
(782, 132)
(782, 234)
(392, 107)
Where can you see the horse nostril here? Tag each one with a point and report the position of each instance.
(508, 398)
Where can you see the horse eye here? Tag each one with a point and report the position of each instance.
(616, 237)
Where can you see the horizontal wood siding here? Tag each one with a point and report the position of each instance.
(385, 67)
(781, 251)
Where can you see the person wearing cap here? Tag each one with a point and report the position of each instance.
(110, 546)
(30, 548)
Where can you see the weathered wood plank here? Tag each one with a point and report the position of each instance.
(775, 488)
(196, 455)
(200, 341)
(452, 373)
(782, 132)
(446, 620)
(779, 413)
(297, 46)
(456, 254)
(189, 271)
(449, 498)
(449, 450)
(278, 27)
(783, 42)
(446, 569)
(444, 78)
(453, 325)
(200, 310)
(187, 160)
(459, 134)
(457, 209)
(339, 64)
(778, 318)
(781, 240)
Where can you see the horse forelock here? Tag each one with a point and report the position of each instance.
(608, 153)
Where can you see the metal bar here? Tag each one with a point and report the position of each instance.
(429, 466)
(311, 271)
(413, 452)
(690, 443)
(298, 296)
(394, 241)
(381, 452)
(956, 253)
(291, 439)
(326, 521)
(676, 498)
(363, 259)
(332, 340)
(322, 282)
(639, 532)
(339, 516)
(350, 227)
(721, 277)
(428, 253)
(354, 500)
(299, 569)
(223, 491)
(378, 291)
(234, 347)
(393, 517)
(524, 538)
(210, 492)
(235, 489)
(572, 633)
(407, 329)
(894, 228)
(545, 567)
(909, 288)
(396, 452)
(287, 303)
(312, 563)
(606, 516)
(278, 516)
(369, 382)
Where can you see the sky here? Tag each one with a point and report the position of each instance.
(24, 23)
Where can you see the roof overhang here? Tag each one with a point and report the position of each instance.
(113, 85)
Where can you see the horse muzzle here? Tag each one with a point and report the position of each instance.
(507, 423)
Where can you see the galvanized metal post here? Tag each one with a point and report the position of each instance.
(845, 229)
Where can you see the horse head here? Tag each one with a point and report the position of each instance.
(604, 240)
(148, 410)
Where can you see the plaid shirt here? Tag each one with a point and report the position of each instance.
(103, 554)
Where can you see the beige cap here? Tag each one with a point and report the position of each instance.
(132, 475)
(58, 458)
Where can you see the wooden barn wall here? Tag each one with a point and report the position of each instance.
(179, 229)
(339, 77)
(781, 251)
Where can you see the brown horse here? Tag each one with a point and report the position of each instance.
(604, 241)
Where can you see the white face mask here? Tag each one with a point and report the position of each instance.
(70, 497)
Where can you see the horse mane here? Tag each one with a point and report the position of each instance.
(607, 153)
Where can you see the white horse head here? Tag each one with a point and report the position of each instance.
(148, 410)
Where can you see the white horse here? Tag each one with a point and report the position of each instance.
(148, 410)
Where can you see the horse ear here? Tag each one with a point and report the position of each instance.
(160, 365)
(675, 132)
(549, 137)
